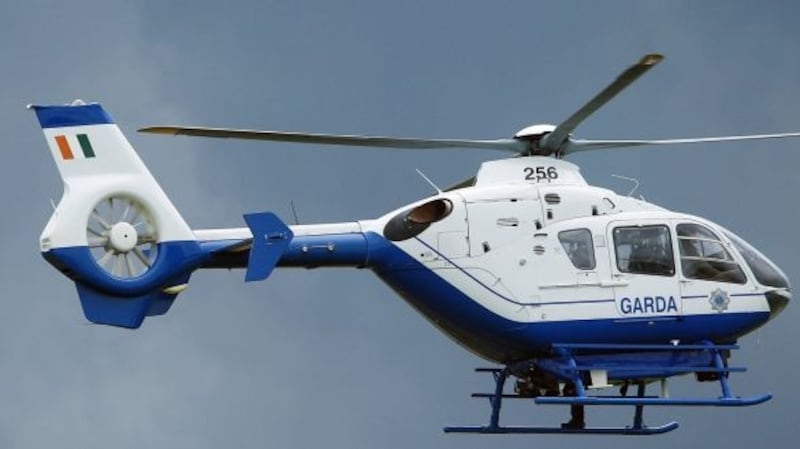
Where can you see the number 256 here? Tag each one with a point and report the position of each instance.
(540, 173)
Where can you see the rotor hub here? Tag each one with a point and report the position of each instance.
(536, 131)
(123, 237)
(532, 136)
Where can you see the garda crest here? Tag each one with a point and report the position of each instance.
(719, 300)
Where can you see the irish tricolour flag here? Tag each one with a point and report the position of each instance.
(68, 146)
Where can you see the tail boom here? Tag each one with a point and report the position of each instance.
(117, 235)
(310, 246)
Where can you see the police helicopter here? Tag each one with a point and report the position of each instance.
(571, 289)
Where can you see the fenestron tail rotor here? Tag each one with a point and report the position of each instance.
(538, 140)
(122, 237)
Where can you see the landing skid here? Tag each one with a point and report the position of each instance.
(719, 402)
(570, 371)
(644, 430)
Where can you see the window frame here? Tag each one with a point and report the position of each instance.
(591, 248)
(729, 260)
(670, 249)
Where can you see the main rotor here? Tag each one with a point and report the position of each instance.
(535, 140)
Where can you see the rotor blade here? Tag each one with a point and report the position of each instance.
(96, 242)
(134, 218)
(575, 145)
(115, 268)
(338, 139)
(127, 210)
(101, 220)
(140, 255)
(106, 257)
(556, 139)
(97, 233)
(129, 265)
(111, 208)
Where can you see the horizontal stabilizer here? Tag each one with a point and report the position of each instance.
(102, 308)
(271, 237)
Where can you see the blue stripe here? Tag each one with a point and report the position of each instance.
(63, 116)
(175, 260)
(503, 340)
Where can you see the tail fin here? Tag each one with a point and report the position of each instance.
(114, 232)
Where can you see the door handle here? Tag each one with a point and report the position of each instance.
(614, 283)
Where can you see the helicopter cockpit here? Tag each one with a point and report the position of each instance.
(702, 252)
(670, 253)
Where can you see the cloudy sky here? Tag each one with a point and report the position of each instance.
(333, 358)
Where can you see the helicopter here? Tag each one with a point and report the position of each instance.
(570, 289)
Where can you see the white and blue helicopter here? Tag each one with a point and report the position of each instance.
(570, 289)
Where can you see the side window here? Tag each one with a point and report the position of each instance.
(579, 247)
(644, 250)
(704, 257)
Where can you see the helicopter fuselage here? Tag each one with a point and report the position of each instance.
(531, 255)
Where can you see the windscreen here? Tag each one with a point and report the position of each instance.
(766, 272)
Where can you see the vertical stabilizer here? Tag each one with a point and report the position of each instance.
(114, 231)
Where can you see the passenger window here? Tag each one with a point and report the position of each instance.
(704, 257)
(579, 247)
(644, 250)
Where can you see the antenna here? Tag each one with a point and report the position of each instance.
(294, 212)
(633, 180)
(438, 190)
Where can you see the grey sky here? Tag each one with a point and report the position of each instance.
(333, 358)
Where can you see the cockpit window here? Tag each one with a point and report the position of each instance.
(579, 247)
(704, 257)
(766, 272)
(644, 250)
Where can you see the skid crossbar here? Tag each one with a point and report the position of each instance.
(564, 365)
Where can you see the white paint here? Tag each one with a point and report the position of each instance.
(116, 170)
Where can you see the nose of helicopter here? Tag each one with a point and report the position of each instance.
(777, 300)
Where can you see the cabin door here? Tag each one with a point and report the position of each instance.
(646, 285)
